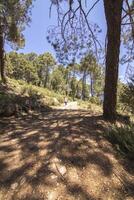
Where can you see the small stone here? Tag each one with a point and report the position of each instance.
(55, 160)
(42, 138)
(53, 176)
(52, 195)
(56, 135)
(14, 186)
(62, 169)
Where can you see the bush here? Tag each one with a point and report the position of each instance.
(94, 108)
(122, 138)
(95, 100)
(127, 96)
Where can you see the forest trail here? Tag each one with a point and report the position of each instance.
(72, 105)
(61, 155)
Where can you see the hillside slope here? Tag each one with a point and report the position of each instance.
(18, 96)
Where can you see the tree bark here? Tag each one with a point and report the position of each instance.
(46, 81)
(2, 61)
(91, 85)
(113, 12)
(83, 85)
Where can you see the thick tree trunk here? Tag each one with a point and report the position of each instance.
(113, 12)
(2, 62)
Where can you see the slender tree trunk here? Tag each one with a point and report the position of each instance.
(113, 12)
(91, 85)
(83, 85)
(2, 62)
(46, 81)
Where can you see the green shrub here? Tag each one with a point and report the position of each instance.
(95, 100)
(122, 138)
(127, 96)
(44, 95)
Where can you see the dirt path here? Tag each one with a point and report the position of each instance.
(73, 105)
(60, 156)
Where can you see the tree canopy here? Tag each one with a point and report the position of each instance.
(14, 16)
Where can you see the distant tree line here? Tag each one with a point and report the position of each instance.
(81, 80)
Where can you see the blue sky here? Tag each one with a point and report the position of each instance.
(35, 34)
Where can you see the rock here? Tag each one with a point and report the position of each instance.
(62, 169)
(54, 177)
(52, 195)
(14, 186)
(57, 167)
(56, 134)
(42, 138)
(55, 160)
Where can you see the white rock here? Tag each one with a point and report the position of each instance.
(56, 135)
(53, 176)
(62, 169)
(14, 186)
(52, 195)
(42, 138)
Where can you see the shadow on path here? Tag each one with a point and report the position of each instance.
(32, 147)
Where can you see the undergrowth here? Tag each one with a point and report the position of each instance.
(122, 139)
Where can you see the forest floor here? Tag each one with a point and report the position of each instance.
(61, 155)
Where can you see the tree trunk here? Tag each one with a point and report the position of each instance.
(91, 85)
(2, 62)
(83, 85)
(46, 77)
(113, 12)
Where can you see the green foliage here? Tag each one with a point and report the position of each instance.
(58, 83)
(90, 69)
(19, 67)
(25, 97)
(5, 99)
(122, 138)
(73, 85)
(14, 15)
(93, 108)
(95, 100)
(45, 95)
(127, 96)
(30, 67)
(44, 63)
(42, 70)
